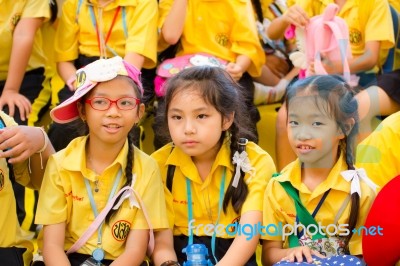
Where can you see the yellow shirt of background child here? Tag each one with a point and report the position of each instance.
(77, 35)
(10, 13)
(220, 28)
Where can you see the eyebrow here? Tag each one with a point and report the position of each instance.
(312, 115)
(195, 110)
(118, 96)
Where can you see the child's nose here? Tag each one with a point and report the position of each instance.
(303, 133)
(113, 110)
(189, 127)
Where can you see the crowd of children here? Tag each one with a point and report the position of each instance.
(201, 67)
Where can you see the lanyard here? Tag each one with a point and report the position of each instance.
(190, 211)
(96, 26)
(300, 234)
(93, 203)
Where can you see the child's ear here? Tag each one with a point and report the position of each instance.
(141, 110)
(348, 126)
(227, 121)
(81, 111)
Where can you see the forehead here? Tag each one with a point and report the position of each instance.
(118, 86)
(306, 105)
(190, 95)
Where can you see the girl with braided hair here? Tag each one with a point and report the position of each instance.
(88, 175)
(215, 176)
(322, 125)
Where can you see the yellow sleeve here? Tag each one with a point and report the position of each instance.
(161, 156)
(395, 4)
(142, 32)
(245, 39)
(66, 43)
(164, 7)
(379, 25)
(152, 197)
(378, 155)
(36, 9)
(273, 218)
(52, 205)
(264, 168)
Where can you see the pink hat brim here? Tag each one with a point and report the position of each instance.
(67, 111)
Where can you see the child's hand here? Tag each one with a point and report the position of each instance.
(297, 254)
(20, 142)
(235, 70)
(71, 83)
(297, 16)
(14, 99)
(278, 66)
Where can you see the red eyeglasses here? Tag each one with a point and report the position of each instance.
(103, 103)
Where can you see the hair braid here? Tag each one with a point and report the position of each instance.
(128, 171)
(236, 195)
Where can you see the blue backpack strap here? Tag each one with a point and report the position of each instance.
(78, 9)
(124, 24)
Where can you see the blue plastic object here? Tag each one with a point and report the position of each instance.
(197, 255)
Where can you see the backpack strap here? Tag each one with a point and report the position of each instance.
(78, 9)
(170, 174)
(342, 208)
(102, 215)
(302, 213)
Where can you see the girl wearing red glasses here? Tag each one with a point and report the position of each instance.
(101, 170)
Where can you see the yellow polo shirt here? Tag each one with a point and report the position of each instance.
(205, 195)
(63, 197)
(377, 26)
(379, 154)
(220, 28)
(279, 207)
(395, 4)
(10, 13)
(77, 35)
(11, 234)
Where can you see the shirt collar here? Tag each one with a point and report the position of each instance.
(75, 157)
(292, 173)
(186, 165)
(114, 4)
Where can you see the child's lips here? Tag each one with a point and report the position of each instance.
(190, 143)
(304, 148)
(112, 128)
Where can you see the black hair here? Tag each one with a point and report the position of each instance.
(218, 89)
(342, 106)
(258, 9)
(53, 10)
(130, 155)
